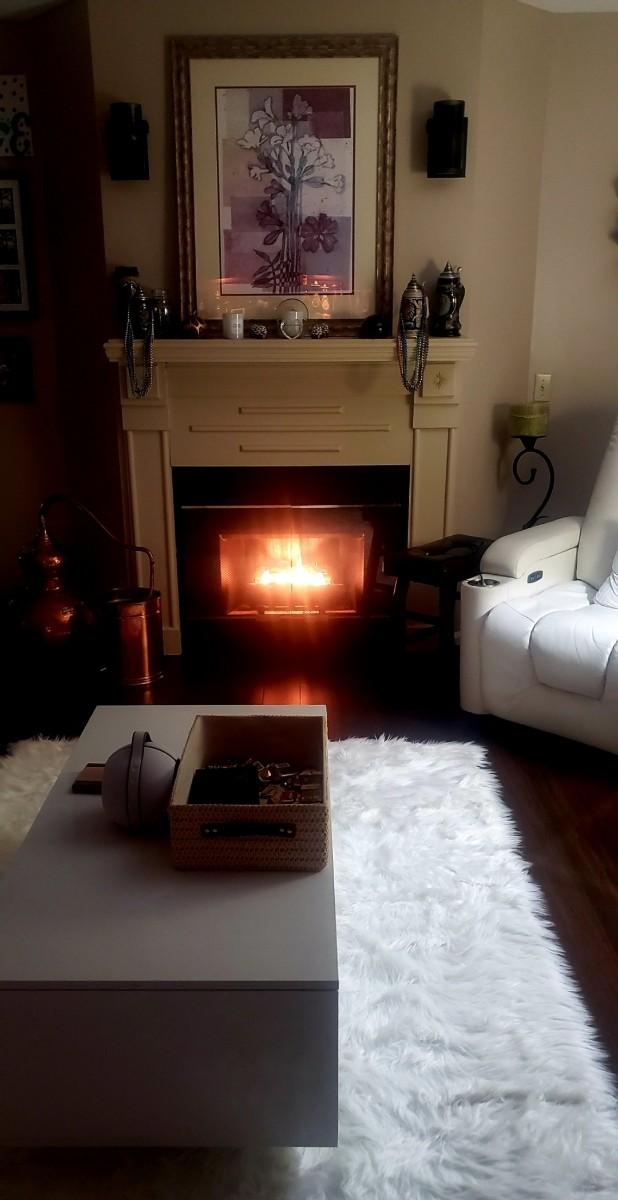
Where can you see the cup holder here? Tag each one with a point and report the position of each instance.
(483, 581)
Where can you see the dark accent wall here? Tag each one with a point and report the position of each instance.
(73, 161)
(31, 452)
(68, 439)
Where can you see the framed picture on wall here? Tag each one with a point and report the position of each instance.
(285, 175)
(14, 293)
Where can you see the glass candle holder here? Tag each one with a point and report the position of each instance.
(291, 315)
(529, 420)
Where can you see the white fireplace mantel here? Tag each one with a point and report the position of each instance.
(302, 403)
(325, 351)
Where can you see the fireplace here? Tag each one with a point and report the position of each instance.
(310, 411)
(261, 544)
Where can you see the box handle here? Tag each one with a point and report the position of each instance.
(235, 829)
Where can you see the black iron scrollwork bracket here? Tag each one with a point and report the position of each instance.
(530, 447)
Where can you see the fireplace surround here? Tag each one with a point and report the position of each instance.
(235, 435)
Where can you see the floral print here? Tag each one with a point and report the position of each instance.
(319, 231)
(289, 152)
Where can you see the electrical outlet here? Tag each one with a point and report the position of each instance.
(542, 389)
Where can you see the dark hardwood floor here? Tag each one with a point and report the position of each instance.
(563, 796)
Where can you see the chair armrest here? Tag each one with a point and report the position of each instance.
(477, 602)
(518, 554)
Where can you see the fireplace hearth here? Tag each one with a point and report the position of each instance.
(256, 545)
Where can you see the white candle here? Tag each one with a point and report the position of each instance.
(233, 323)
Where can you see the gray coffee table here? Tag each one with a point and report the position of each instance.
(145, 1006)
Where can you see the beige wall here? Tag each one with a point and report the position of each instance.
(541, 92)
(493, 54)
(507, 176)
(439, 47)
(575, 332)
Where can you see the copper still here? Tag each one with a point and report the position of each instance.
(128, 620)
(53, 613)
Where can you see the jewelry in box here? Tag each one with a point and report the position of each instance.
(255, 782)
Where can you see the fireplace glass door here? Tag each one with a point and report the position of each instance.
(287, 572)
(262, 544)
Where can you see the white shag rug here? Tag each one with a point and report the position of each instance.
(468, 1066)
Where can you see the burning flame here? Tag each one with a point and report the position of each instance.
(296, 574)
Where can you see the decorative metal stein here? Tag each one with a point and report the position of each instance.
(450, 292)
(412, 306)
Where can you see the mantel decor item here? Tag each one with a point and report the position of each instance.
(233, 323)
(291, 317)
(194, 327)
(450, 292)
(529, 422)
(375, 326)
(274, 197)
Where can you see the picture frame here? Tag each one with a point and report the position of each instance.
(15, 298)
(274, 200)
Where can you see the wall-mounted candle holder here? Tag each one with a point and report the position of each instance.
(529, 422)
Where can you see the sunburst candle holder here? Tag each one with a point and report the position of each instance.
(291, 317)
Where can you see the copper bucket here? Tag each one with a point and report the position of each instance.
(134, 635)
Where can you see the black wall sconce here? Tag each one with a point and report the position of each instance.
(447, 139)
(127, 142)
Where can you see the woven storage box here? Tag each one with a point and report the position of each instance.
(290, 837)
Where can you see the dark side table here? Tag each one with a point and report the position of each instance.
(442, 564)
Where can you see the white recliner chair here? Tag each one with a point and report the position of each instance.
(539, 642)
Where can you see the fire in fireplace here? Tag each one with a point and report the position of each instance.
(292, 573)
(261, 543)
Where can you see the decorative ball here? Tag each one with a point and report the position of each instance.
(137, 784)
(258, 331)
(193, 326)
(320, 329)
(375, 326)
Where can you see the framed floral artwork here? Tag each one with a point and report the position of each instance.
(285, 174)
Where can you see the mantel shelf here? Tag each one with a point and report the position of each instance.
(305, 350)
